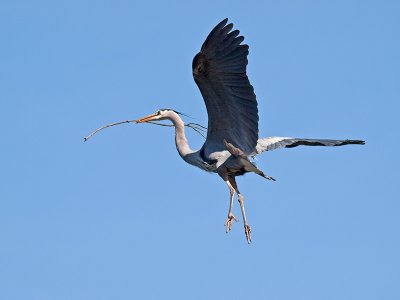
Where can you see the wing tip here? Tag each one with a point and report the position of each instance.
(224, 21)
(220, 26)
(355, 142)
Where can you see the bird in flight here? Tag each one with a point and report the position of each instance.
(232, 141)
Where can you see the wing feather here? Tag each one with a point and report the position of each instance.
(272, 143)
(219, 70)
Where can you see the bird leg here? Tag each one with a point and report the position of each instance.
(247, 229)
(228, 223)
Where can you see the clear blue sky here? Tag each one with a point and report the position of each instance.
(122, 217)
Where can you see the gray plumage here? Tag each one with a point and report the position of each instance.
(219, 70)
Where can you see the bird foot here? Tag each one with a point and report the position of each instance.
(228, 223)
(247, 231)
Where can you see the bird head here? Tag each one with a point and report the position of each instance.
(161, 114)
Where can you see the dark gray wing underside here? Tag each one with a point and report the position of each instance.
(219, 70)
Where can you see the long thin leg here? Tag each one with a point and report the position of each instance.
(247, 229)
(228, 223)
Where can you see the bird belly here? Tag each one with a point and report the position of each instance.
(236, 166)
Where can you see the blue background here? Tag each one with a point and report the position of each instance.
(122, 217)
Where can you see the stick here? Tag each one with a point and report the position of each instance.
(196, 127)
(101, 128)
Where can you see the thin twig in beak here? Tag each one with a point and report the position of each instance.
(104, 127)
(196, 127)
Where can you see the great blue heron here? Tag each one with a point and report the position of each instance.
(219, 70)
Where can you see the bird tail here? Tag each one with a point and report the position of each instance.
(249, 166)
(261, 173)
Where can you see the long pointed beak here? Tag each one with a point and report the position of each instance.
(146, 119)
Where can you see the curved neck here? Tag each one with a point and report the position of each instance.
(181, 142)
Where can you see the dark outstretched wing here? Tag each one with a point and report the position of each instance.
(219, 70)
(272, 143)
